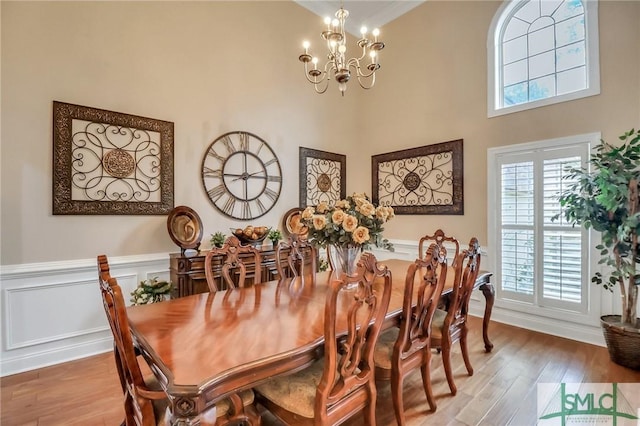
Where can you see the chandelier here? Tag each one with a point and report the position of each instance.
(338, 66)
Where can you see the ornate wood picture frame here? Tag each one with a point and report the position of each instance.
(110, 163)
(323, 177)
(424, 180)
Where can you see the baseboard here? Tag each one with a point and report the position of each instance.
(565, 329)
(67, 353)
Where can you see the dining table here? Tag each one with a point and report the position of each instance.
(205, 347)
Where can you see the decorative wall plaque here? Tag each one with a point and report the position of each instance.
(424, 180)
(323, 177)
(106, 162)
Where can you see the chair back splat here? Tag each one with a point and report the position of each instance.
(138, 402)
(438, 238)
(294, 256)
(340, 384)
(401, 350)
(233, 270)
(450, 326)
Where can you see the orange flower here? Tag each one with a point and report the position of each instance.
(360, 235)
(350, 223)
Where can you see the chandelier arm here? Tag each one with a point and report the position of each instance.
(355, 64)
(314, 80)
(364, 53)
(321, 91)
(373, 81)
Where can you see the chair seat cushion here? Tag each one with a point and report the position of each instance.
(295, 393)
(383, 351)
(437, 323)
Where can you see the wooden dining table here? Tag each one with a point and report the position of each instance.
(205, 347)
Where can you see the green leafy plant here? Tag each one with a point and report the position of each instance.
(275, 236)
(605, 199)
(217, 239)
(151, 291)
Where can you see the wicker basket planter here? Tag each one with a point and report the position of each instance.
(623, 342)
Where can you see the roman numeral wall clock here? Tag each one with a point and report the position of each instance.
(241, 175)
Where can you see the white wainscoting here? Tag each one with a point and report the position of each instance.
(52, 312)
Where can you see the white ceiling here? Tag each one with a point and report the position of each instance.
(370, 13)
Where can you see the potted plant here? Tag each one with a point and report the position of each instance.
(151, 291)
(275, 236)
(605, 199)
(217, 239)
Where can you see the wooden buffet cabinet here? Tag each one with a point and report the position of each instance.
(187, 270)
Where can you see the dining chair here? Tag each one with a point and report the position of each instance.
(341, 383)
(401, 350)
(450, 326)
(292, 256)
(232, 252)
(438, 238)
(145, 402)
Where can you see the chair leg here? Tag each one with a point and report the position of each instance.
(446, 361)
(426, 382)
(370, 409)
(465, 351)
(397, 398)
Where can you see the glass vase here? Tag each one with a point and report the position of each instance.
(345, 263)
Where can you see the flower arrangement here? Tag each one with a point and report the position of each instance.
(352, 222)
(150, 291)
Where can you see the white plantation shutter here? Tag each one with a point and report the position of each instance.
(517, 227)
(541, 262)
(562, 243)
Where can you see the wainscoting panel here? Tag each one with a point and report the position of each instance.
(52, 312)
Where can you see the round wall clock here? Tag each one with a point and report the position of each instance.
(241, 175)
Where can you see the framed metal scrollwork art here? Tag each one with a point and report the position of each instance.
(107, 162)
(323, 177)
(424, 180)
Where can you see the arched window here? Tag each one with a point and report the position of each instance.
(542, 52)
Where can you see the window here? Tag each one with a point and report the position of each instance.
(542, 52)
(540, 262)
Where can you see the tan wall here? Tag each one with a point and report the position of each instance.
(212, 67)
(209, 67)
(433, 88)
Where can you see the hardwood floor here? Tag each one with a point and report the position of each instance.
(502, 390)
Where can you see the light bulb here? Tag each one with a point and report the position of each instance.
(373, 55)
(327, 20)
(342, 48)
(363, 31)
(306, 44)
(332, 43)
(376, 32)
(335, 22)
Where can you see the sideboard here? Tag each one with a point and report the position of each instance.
(187, 270)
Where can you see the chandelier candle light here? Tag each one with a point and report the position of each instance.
(338, 65)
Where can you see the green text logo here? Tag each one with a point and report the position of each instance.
(585, 403)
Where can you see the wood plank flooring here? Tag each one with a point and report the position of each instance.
(502, 390)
